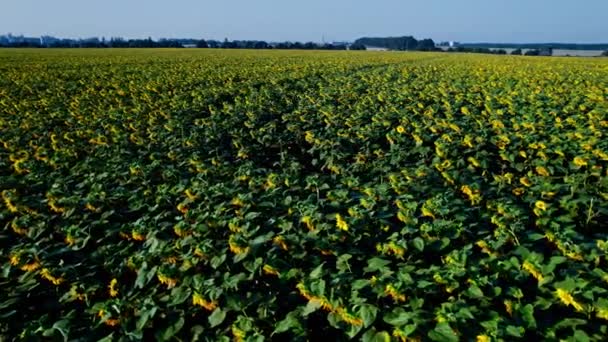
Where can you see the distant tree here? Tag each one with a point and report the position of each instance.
(532, 52)
(260, 45)
(605, 53)
(357, 46)
(500, 52)
(425, 45)
(213, 44)
(516, 52)
(228, 44)
(391, 43)
(309, 46)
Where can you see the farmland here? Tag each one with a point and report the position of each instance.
(238, 195)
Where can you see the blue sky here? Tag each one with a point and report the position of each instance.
(273, 20)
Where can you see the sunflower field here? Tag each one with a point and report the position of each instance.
(220, 195)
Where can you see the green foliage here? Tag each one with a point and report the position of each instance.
(218, 194)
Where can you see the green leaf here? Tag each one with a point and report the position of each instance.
(197, 331)
(290, 321)
(317, 272)
(145, 317)
(311, 307)
(418, 244)
(173, 329)
(443, 333)
(368, 314)
(217, 317)
(515, 331)
(475, 292)
(108, 338)
(382, 336)
(360, 283)
(568, 284)
(570, 323)
(216, 261)
(179, 295)
(397, 317)
(342, 263)
(527, 315)
(376, 264)
(581, 336)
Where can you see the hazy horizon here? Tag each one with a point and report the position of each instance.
(473, 21)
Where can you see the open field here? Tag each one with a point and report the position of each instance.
(270, 195)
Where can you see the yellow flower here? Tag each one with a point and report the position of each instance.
(509, 307)
(525, 181)
(18, 230)
(539, 207)
(190, 195)
(112, 322)
(69, 240)
(279, 241)
(473, 195)
(182, 208)
(485, 248)
(112, 288)
(393, 293)
(31, 266)
(90, 207)
(7, 201)
(518, 191)
(170, 282)
(578, 161)
(239, 335)
(542, 171)
(483, 338)
(398, 251)
(235, 248)
(467, 141)
(307, 220)
(602, 313)
(533, 271)
(197, 299)
(270, 270)
(340, 223)
(56, 208)
(400, 129)
(46, 274)
(309, 137)
(137, 236)
(567, 299)
(14, 259)
(237, 202)
(427, 213)
(348, 318)
(474, 161)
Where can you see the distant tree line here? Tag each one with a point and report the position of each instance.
(405, 43)
(260, 44)
(532, 52)
(537, 46)
(477, 50)
(118, 42)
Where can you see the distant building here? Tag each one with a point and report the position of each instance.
(375, 48)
